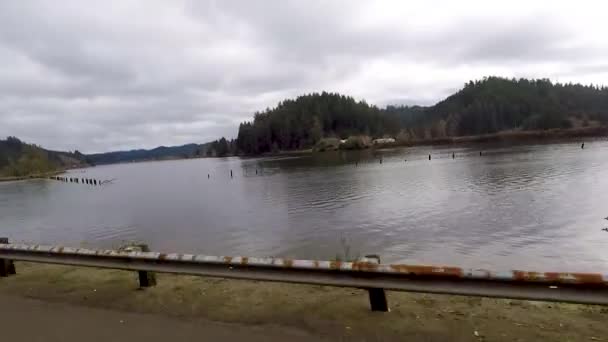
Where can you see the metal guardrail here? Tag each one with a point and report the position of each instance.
(367, 273)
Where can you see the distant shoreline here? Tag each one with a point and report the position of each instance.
(32, 176)
(516, 136)
(552, 135)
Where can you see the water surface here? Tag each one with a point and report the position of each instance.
(525, 207)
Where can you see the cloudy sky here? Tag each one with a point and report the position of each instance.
(120, 74)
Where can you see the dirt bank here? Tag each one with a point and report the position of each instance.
(333, 313)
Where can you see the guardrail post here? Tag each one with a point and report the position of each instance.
(7, 267)
(146, 279)
(377, 296)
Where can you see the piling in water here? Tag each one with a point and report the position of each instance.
(230, 173)
(208, 176)
(583, 146)
(453, 155)
(429, 156)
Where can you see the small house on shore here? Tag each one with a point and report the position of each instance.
(382, 141)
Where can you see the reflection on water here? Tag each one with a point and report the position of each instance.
(533, 207)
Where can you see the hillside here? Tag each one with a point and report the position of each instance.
(159, 153)
(217, 148)
(300, 123)
(497, 104)
(19, 159)
(486, 106)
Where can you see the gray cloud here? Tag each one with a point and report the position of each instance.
(129, 74)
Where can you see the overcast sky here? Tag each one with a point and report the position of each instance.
(120, 74)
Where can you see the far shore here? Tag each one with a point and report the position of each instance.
(32, 176)
(527, 137)
(518, 136)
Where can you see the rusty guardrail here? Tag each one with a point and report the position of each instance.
(367, 273)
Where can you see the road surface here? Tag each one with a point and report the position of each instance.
(30, 320)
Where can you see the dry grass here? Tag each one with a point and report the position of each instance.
(331, 312)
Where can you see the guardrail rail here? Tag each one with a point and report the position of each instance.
(367, 273)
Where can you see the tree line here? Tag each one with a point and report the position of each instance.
(486, 106)
(18, 159)
(300, 123)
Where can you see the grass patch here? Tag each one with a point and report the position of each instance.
(337, 313)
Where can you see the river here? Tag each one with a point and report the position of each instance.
(537, 207)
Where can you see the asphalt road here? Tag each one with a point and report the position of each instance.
(30, 320)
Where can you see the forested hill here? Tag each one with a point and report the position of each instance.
(497, 104)
(159, 153)
(300, 123)
(481, 107)
(218, 148)
(18, 159)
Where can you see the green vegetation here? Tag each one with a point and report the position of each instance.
(487, 106)
(327, 144)
(19, 159)
(220, 148)
(497, 104)
(301, 123)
